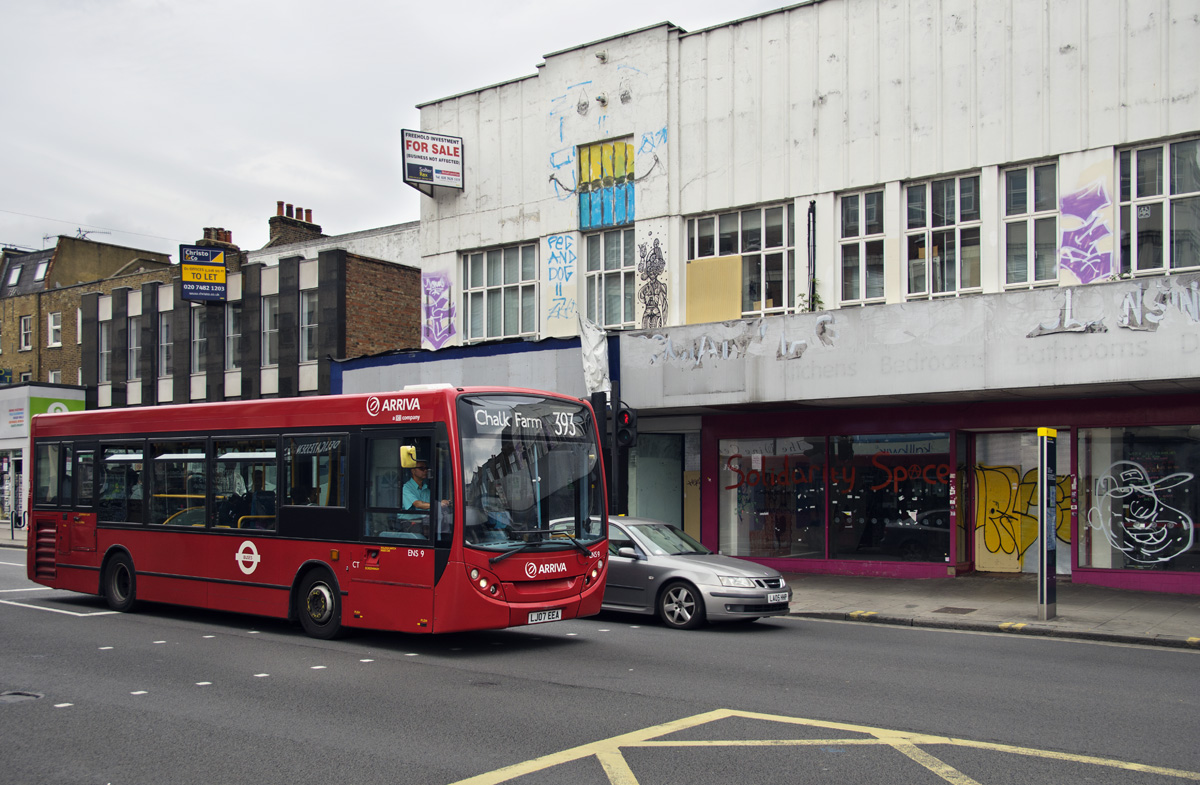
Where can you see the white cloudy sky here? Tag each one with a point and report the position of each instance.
(152, 119)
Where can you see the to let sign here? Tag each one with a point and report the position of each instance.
(203, 273)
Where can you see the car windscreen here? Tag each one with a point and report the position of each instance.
(664, 539)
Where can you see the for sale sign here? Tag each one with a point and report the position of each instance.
(432, 159)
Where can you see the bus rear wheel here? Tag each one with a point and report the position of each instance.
(319, 605)
(120, 583)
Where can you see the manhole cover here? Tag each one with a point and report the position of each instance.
(959, 611)
(16, 696)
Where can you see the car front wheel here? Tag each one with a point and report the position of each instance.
(681, 607)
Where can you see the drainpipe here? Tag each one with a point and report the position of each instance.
(812, 255)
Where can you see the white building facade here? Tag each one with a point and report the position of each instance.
(857, 253)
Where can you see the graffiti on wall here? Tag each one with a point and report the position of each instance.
(560, 266)
(653, 293)
(437, 308)
(740, 340)
(1004, 526)
(1133, 512)
(606, 185)
(1144, 307)
(1080, 250)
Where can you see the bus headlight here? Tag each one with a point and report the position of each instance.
(475, 574)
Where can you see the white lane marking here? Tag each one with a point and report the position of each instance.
(63, 705)
(411, 654)
(36, 588)
(203, 683)
(318, 667)
(12, 564)
(210, 636)
(57, 610)
(261, 675)
(366, 660)
(105, 648)
(139, 692)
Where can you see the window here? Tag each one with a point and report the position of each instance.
(40, 272)
(134, 357)
(942, 236)
(611, 274)
(1160, 207)
(54, 329)
(48, 481)
(1031, 224)
(14, 275)
(178, 483)
(26, 333)
(862, 247)
(104, 370)
(122, 484)
(78, 326)
(270, 330)
(308, 326)
(765, 239)
(166, 365)
(1139, 498)
(54, 377)
(500, 298)
(244, 487)
(605, 185)
(27, 376)
(199, 338)
(314, 467)
(233, 336)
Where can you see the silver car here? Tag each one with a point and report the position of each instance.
(656, 568)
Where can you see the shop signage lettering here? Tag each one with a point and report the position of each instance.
(804, 474)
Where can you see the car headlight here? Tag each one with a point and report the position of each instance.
(734, 582)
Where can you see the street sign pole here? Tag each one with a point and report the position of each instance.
(1047, 523)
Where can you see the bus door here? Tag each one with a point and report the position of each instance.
(392, 569)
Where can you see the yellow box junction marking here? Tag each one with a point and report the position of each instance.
(616, 768)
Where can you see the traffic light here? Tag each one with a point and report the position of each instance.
(626, 425)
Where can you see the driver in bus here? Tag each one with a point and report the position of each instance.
(416, 490)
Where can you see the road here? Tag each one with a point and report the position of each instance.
(183, 696)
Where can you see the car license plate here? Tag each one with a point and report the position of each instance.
(537, 617)
(780, 596)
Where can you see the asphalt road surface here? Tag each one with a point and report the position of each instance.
(172, 695)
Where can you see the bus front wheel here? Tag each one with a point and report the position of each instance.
(319, 606)
(120, 583)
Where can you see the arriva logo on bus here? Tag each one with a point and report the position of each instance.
(375, 406)
(533, 570)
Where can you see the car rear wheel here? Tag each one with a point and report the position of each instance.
(680, 606)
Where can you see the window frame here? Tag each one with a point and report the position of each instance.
(198, 339)
(233, 336)
(54, 329)
(26, 336)
(166, 346)
(309, 324)
(860, 237)
(597, 275)
(1030, 217)
(270, 330)
(1166, 198)
(482, 292)
(730, 240)
(133, 356)
(104, 353)
(928, 229)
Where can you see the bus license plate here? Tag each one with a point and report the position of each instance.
(537, 617)
(777, 597)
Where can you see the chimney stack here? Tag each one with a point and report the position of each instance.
(307, 215)
(291, 224)
(288, 211)
(279, 208)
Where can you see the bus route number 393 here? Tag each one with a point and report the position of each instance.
(564, 424)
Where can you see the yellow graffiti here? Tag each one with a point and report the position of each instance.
(1003, 499)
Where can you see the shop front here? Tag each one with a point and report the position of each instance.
(952, 489)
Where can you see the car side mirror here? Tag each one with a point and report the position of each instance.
(627, 552)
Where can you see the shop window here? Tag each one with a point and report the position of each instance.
(765, 240)
(942, 237)
(1160, 207)
(889, 497)
(611, 274)
(862, 247)
(606, 185)
(500, 296)
(1006, 509)
(1031, 224)
(1139, 498)
(773, 497)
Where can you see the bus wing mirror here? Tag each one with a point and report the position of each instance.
(408, 456)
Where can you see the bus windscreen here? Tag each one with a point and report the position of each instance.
(531, 473)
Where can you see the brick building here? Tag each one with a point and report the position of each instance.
(291, 308)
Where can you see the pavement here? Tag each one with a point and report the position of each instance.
(977, 602)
